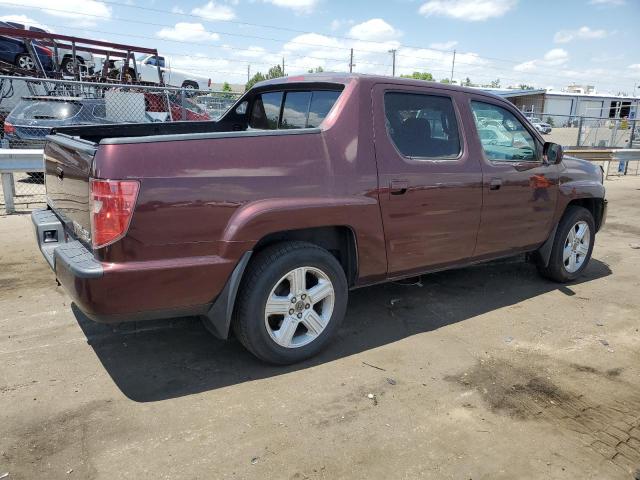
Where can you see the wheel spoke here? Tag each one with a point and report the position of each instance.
(313, 322)
(297, 280)
(572, 262)
(320, 291)
(277, 305)
(583, 249)
(566, 253)
(286, 331)
(582, 229)
(572, 235)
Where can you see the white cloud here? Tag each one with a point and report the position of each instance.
(375, 29)
(635, 66)
(582, 33)
(468, 10)
(298, 6)
(214, 11)
(553, 58)
(89, 12)
(187, 32)
(444, 45)
(177, 9)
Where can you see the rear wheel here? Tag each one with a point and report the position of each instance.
(572, 246)
(291, 301)
(25, 62)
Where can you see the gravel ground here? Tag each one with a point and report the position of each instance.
(483, 373)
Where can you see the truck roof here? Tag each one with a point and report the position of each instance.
(345, 78)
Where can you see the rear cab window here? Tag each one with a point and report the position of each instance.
(294, 109)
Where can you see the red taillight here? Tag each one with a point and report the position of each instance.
(9, 128)
(112, 204)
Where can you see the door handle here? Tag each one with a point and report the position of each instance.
(398, 187)
(495, 184)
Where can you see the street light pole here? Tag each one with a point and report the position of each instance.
(453, 64)
(393, 57)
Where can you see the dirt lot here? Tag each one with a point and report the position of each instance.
(483, 373)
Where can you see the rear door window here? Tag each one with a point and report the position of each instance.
(422, 125)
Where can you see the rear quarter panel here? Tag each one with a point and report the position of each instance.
(220, 196)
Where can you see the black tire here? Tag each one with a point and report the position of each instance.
(190, 87)
(262, 275)
(557, 270)
(67, 65)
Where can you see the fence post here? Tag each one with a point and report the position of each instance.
(579, 131)
(8, 191)
(183, 94)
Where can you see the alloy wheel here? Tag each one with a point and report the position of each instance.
(299, 307)
(26, 62)
(576, 247)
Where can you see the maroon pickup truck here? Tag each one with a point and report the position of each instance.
(307, 187)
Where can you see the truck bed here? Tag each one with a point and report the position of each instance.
(95, 133)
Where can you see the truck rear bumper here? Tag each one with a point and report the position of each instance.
(131, 291)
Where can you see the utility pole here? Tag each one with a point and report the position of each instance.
(283, 66)
(393, 64)
(248, 72)
(351, 64)
(453, 64)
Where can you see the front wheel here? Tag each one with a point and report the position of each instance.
(572, 246)
(292, 300)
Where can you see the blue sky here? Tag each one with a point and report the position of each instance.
(542, 43)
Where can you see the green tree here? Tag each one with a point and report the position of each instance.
(495, 83)
(468, 83)
(524, 86)
(316, 70)
(419, 76)
(447, 81)
(274, 72)
(226, 88)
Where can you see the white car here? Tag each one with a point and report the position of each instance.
(86, 62)
(148, 72)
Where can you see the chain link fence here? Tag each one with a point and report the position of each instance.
(31, 107)
(583, 131)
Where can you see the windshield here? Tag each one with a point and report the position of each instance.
(44, 110)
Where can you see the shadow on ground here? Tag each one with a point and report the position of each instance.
(175, 358)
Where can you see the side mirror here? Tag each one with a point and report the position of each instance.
(552, 152)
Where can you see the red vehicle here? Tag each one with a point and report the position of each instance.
(179, 108)
(309, 186)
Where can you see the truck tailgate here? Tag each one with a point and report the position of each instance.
(68, 165)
